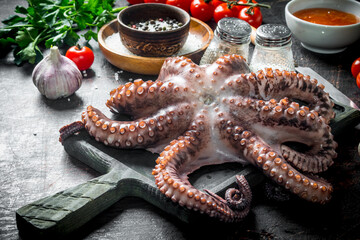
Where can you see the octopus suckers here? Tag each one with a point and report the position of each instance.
(198, 110)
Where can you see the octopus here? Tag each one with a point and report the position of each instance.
(194, 116)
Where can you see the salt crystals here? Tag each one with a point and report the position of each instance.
(117, 74)
(192, 44)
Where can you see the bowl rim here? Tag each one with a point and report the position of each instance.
(102, 41)
(186, 14)
(155, 62)
(291, 15)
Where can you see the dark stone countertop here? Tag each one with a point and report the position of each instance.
(34, 164)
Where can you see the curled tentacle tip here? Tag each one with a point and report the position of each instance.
(234, 199)
(69, 130)
(239, 199)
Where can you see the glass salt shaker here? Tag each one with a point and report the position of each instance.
(272, 48)
(231, 36)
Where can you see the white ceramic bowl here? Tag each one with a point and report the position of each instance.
(323, 38)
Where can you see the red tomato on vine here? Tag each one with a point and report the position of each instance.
(216, 3)
(245, 1)
(154, 1)
(254, 19)
(183, 4)
(222, 11)
(237, 8)
(132, 2)
(202, 10)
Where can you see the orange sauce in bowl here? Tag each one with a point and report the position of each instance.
(327, 16)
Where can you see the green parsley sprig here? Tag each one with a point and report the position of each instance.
(46, 23)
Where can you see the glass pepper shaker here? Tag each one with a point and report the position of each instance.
(231, 36)
(272, 48)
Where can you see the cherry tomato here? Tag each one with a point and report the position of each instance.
(355, 68)
(154, 1)
(254, 20)
(245, 1)
(216, 3)
(82, 57)
(183, 4)
(201, 10)
(222, 11)
(358, 80)
(132, 2)
(238, 8)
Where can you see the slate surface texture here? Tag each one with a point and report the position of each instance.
(34, 165)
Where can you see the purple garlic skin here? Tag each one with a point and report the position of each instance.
(56, 76)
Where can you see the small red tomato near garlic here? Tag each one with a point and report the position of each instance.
(83, 57)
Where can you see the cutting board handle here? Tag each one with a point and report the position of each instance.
(346, 118)
(66, 211)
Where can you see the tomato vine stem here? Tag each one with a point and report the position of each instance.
(249, 3)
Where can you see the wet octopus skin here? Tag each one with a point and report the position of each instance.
(202, 115)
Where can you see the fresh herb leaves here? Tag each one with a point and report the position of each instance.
(49, 23)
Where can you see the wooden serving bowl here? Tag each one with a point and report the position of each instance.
(151, 43)
(150, 65)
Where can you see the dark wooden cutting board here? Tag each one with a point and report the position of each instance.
(128, 173)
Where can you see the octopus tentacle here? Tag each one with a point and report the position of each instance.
(177, 69)
(171, 178)
(296, 124)
(278, 84)
(239, 199)
(70, 129)
(226, 66)
(172, 67)
(143, 98)
(141, 133)
(319, 162)
(276, 120)
(275, 166)
(257, 152)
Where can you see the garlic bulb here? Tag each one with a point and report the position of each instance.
(56, 76)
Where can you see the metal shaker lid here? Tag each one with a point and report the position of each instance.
(233, 30)
(273, 35)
